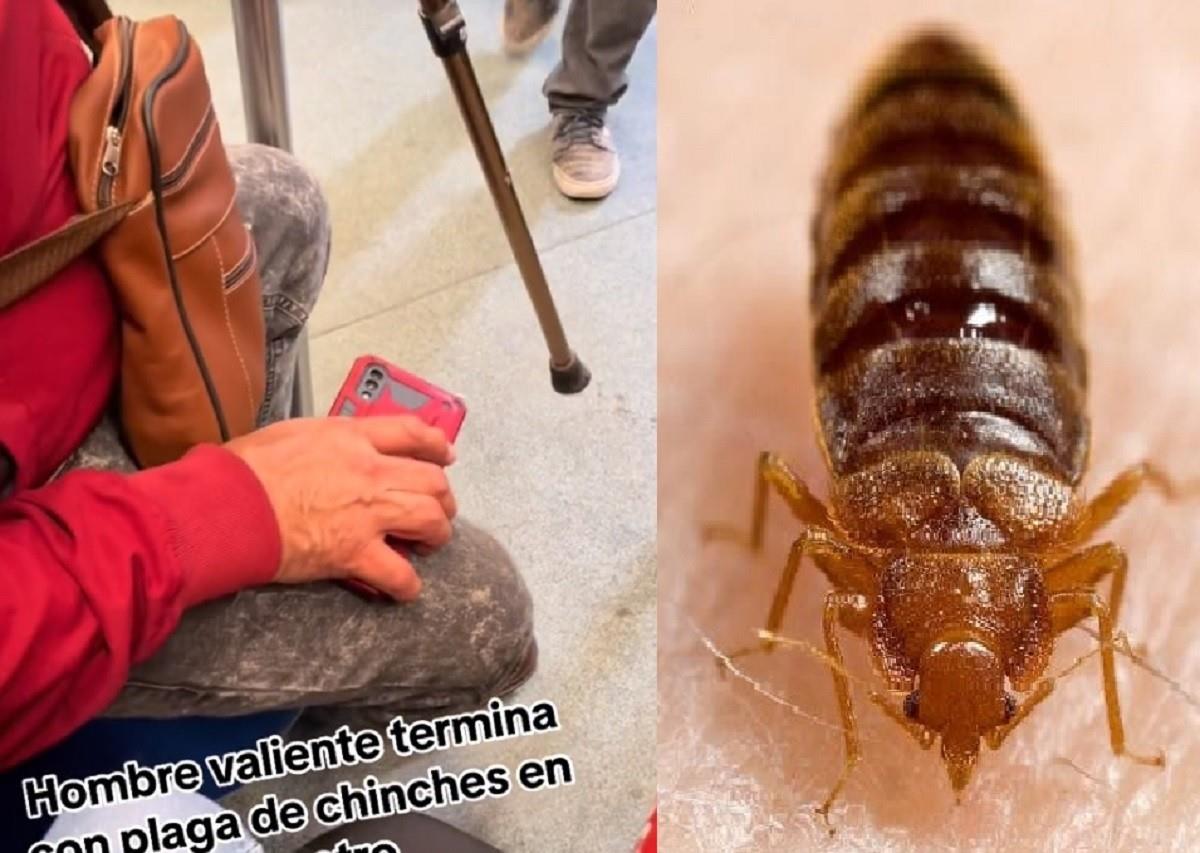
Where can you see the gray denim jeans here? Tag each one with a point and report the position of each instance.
(598, 41)
(467, 638)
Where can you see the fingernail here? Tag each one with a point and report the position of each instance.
(451, 454)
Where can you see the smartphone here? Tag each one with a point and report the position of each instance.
(377, 387)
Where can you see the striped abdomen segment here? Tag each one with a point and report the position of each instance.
(944, 305)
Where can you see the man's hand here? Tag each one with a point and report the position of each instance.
(339, 485)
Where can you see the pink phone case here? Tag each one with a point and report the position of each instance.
(376, 387)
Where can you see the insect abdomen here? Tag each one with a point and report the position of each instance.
(945, 309)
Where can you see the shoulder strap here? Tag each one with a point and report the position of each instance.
(25, 268)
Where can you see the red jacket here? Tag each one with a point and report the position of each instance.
(96, 568)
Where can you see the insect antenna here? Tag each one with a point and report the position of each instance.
(727, 662)
(1121, 644)
(1066, 762)
(1123, 647)
(1078, 662)
(823, 657)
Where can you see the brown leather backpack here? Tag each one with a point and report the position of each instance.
(159, 201)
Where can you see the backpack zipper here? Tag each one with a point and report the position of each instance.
(195, 146)
(110, 160)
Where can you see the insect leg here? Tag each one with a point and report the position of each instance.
(836, 603)
(770, 470)
(1123, 488)
(996, 736)
(845, 568)
(1094, 604)
(1083, 570)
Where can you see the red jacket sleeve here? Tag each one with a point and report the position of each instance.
(95, 570)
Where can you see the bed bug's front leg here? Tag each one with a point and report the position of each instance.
(842, 607)
(845, 568)
(770, 470)
(1093, 603)
(1082, 571)
(848, 569)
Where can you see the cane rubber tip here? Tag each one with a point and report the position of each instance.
(570, 378)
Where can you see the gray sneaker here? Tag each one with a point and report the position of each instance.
(526, 23)
(584, 157)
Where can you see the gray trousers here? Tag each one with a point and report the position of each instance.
(467, 638)
(599, 38)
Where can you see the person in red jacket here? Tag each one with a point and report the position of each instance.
(117, 587)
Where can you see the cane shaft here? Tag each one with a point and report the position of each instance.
(495, 171)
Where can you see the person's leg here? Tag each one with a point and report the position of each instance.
(111, 820)
(467, 638)
(599, 39)
(289, 217)
(526, 23)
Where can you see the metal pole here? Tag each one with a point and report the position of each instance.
(446, 29)
(259, 37)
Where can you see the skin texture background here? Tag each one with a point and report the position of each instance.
(747, 102)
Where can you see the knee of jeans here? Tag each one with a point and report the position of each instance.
(509, 654)
(275, 186)
(306, 204)
(501, 613)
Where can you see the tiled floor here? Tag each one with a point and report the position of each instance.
(421, 274)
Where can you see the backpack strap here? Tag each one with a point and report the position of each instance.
(25, 268)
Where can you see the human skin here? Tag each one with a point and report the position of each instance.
(746, 106)
(339, 486)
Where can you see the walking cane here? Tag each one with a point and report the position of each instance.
(264, 91)
(447, 32)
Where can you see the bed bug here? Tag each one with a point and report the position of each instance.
(950, 403)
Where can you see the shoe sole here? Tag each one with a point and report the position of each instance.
(586, 190)
(520, 49)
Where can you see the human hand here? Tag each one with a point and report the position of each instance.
(738, 770)
(340, 485)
